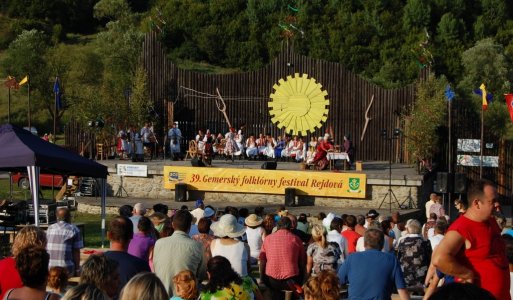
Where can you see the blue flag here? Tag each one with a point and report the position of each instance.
(57, 91)
(449, 93)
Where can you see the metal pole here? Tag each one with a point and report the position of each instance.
(29, 116)
(450, 152)
(9, 107)
(482, 140)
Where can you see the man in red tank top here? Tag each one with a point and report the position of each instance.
(472, 250)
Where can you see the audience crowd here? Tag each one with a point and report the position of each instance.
(234, 254)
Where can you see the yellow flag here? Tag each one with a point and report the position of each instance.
(24, 80)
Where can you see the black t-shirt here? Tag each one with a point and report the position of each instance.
(128, 265)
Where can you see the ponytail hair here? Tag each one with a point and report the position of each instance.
(319, 235)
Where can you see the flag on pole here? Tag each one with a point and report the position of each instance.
(509, 103)
(11, 83)
(24, 80)
(57, 91)
(485, 96)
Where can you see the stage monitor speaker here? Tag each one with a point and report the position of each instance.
(180, 192)
(460, 183)
(290, 196)
(195, 162)
(443, 182)
(269, 165)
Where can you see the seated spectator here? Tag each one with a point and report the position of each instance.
(28, 237)
(32, 265)
(237, 252)
(144, 286)
(102, 272)
(157, 219)
(204, 237)
(142, 243)
(225, 283)
(57, 280)
(414, 255)
(185, 286)
(321, 254)
(161, 208)
(85, 291)
(335, 236)
(126, 210)
(254, 235)
(268, 225)
(329, 284)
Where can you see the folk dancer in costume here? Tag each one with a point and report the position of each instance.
(122, 145)
(289, 144)
(231, 145)
(200, 142)
(174, 136)
(239, 139)
(320, 159)
(280, 145)
(261, 144)
(209, 148)
(131, 140)
(270, 144)
(218, 147)
(348, 148)
(148, 138)
(251, 147)
(310, 154)
(300, 151)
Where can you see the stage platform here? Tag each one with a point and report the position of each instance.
(405, 184)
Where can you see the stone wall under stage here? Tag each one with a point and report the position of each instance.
(153, 187)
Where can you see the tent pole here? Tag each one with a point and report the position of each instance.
(103, 206)
(33, 173)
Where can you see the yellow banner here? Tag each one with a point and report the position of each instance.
(351, 185)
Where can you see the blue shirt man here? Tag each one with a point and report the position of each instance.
(372, 274)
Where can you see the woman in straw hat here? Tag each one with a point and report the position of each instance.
(237, 252)
(254, 233)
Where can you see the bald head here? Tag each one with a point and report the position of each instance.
(63, 214)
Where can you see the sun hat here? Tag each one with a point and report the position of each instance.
(209, 212)
(227, 226)
(372, 214)
(327, 221)
(253, 220)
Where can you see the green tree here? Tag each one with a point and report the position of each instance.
(425, 117)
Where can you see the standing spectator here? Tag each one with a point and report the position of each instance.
(414, 254)
(144, 286)
(237, 252)
(120, 233)
(138, 212)
(282, 259)
(437, 207)
(178, 252)
(142, 243)
(372, 273)
(350, 235)
(428, 227)
(431, 201)
(64, 243)
(335, 236)
(225, 283)
(460, 206)
(28, 237)
(321, 254)
(254, 235)
(472, 249)
(32, 265)
(102, 272)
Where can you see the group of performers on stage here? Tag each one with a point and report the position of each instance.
(234, 144)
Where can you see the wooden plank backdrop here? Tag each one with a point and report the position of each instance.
(247, 94)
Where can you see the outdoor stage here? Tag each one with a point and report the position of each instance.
(405, 184)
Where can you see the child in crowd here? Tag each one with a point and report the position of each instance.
(185, 286)
(57, 280)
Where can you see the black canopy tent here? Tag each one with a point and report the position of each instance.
(20, 149)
